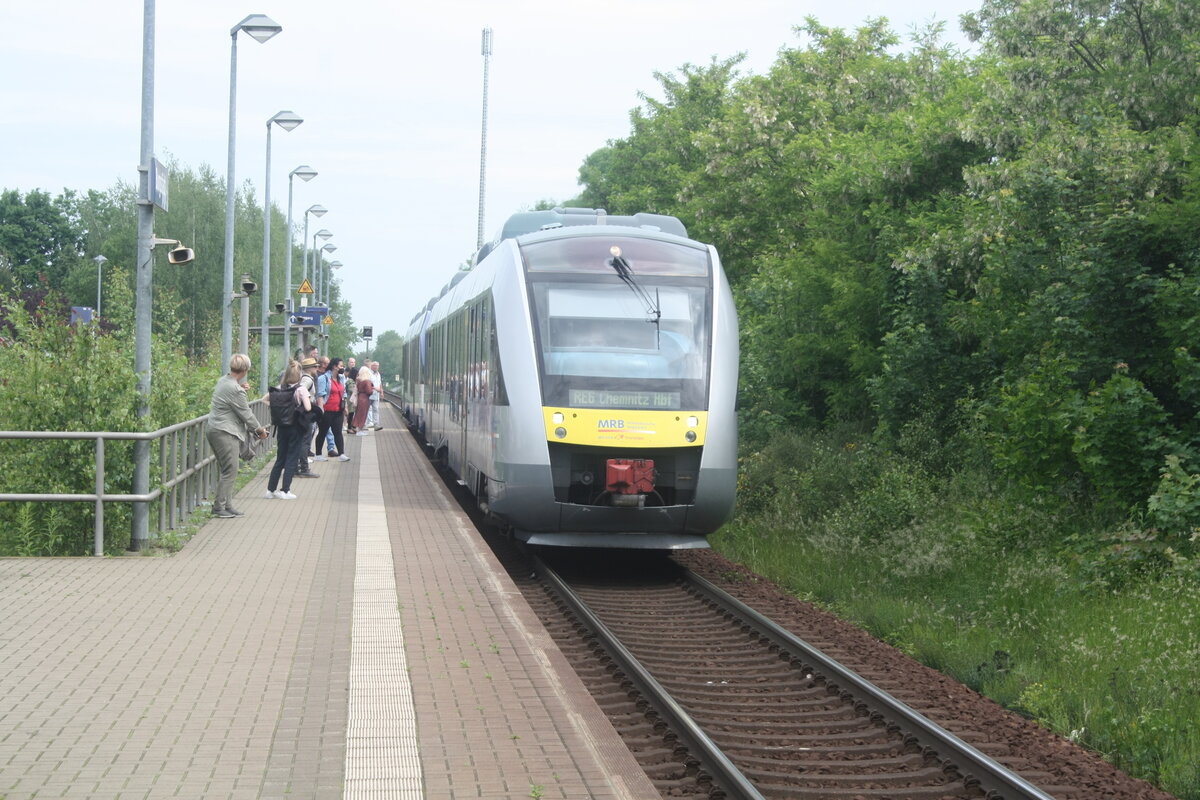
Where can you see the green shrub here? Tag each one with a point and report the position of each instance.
(55, 376)
(1120, 439)
(1068, 612)
(1032, 425)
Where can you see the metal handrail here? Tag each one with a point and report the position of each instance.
(186, 469)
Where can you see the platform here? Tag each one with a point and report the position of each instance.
(357, 642)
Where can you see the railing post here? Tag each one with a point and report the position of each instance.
(189, 460)
(164, 498)
(99, 523)
(173, 521)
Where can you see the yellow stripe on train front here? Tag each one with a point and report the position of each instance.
(625, 428)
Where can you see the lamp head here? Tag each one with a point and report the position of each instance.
(287, 120)
(259, 26)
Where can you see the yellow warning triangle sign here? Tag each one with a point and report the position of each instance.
(328, 320)
(305, 288)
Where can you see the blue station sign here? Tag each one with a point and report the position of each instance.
(309, 315)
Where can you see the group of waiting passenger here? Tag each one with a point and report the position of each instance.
(328, 396)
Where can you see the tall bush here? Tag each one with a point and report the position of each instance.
(60, 377)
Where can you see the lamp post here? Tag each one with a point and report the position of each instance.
(244, 329)
(487, 60)
(316, 211)
(323, 292)
(144, 283)
(99, 266)
(323, 235)
(289, 122)
(305, 174)
(328, 287)
(260, 28)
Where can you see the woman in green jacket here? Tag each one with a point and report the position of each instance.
(228, 421)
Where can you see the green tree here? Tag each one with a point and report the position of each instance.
(41, 239)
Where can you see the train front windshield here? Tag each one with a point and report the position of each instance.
(621, 322)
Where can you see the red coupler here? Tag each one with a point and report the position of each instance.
(630, 476)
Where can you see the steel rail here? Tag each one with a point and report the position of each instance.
(713, 760)
(995, 779)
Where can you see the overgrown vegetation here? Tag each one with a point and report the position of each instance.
(1053, 606)
(969, 291)
(57, 376)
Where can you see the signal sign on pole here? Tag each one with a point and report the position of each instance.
(305, 288)
(328, 320)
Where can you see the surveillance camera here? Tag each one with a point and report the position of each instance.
(279, 308)
(249, 286)
(181, 255)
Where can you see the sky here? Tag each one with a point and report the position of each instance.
(391, 94)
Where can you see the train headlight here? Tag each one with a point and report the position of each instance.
(558, 418)
(692, 422)
(560, 432)
(690, 436)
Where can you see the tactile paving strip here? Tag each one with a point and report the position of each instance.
(382, 759)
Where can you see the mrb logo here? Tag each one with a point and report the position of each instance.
(610, 424)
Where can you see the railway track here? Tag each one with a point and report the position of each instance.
(746, 709)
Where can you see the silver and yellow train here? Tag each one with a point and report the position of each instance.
(580, 380)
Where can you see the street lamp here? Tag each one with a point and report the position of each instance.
(99, 265)
(316, 211)
(320, 268)
(289, 122)
(316, 276)
(329, 294)
(260, 28)
(305, 174)
(328, 285)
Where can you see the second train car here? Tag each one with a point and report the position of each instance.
(580, 381)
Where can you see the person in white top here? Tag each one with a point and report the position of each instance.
(373, 412)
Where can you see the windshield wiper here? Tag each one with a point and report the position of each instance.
(625, 273)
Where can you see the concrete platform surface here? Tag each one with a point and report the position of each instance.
(358, 642)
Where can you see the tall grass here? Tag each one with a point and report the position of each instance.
(1014, 595)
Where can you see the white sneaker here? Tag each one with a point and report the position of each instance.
(286, 496)
(343, 457)
(321, 458)
(270, 495)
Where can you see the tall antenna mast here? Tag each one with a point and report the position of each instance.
(487, 60)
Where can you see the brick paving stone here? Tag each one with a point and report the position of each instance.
(223, 671)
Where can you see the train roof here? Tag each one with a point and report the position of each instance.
(531, 221)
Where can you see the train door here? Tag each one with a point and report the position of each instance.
(471, 322)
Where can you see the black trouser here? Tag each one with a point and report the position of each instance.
(306, 437)
(288, 458)
(331, 420)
